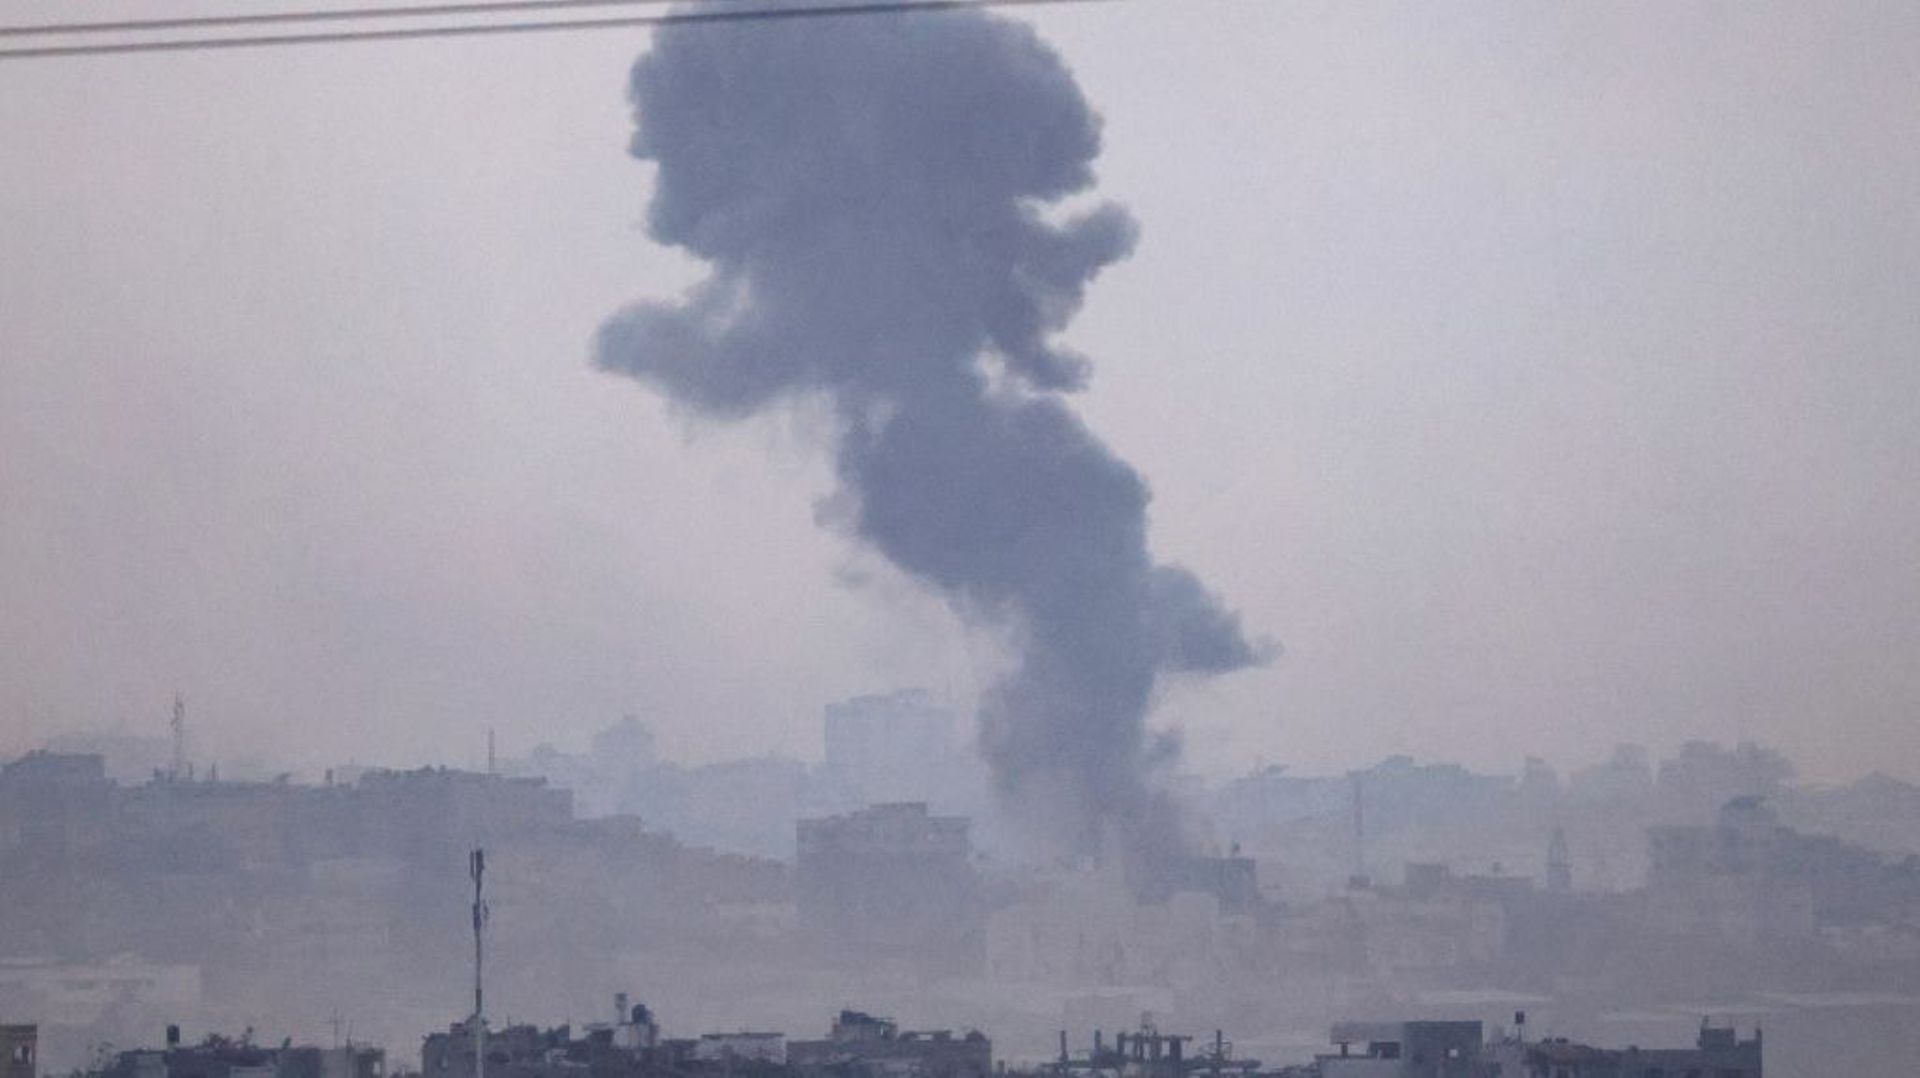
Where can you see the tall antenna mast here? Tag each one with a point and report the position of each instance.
(477, 868)
(179, 727)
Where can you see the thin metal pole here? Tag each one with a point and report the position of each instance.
(477, 868)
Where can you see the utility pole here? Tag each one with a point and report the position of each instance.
(477, 868)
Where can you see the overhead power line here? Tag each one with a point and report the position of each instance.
(411, 33)
(354, 14)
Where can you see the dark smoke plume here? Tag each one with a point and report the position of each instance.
(869, 195)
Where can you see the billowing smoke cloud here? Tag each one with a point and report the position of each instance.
(869, 194)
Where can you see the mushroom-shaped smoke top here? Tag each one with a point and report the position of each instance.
(869, 194)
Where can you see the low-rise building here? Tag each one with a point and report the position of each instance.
(862, 1044)
(1460, 1050)
(1406, 1050)
(1718, 1053)
(859, 1046)
(222, 1057)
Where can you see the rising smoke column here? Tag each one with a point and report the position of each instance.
(868, 193)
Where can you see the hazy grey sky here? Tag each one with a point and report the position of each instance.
(1540, 376)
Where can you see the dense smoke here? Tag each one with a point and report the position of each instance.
(869, 193)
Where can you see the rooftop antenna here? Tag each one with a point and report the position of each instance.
(477, 868)
(179, 727)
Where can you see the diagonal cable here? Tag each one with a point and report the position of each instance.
(670, 18)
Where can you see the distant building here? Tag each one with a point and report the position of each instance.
(1149, 1053)
(627, 746)
(1625, 777)
(623, 1050)
(123, 908)
(1717, 1053)
(603, 780)
(896, 747)
(19, 1051)
(859, 1046)
(1705, 774)
(53, 806)
(346, 1061)
(1086, 927)
(221, 1057)
(1749, 880)
(891, 882)
(876, 1048)
(741, 1047)
(430, 808)
(1233, 880)
(62, 811)
(1459, 1050)
(1406, 1050)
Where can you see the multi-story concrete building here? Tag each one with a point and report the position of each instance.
(1751, 881)
(891, 882)
(54, 808)
(895, 747)
(1406, 1050)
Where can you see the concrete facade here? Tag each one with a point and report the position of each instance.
(891, 882)
(1406, 1050)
